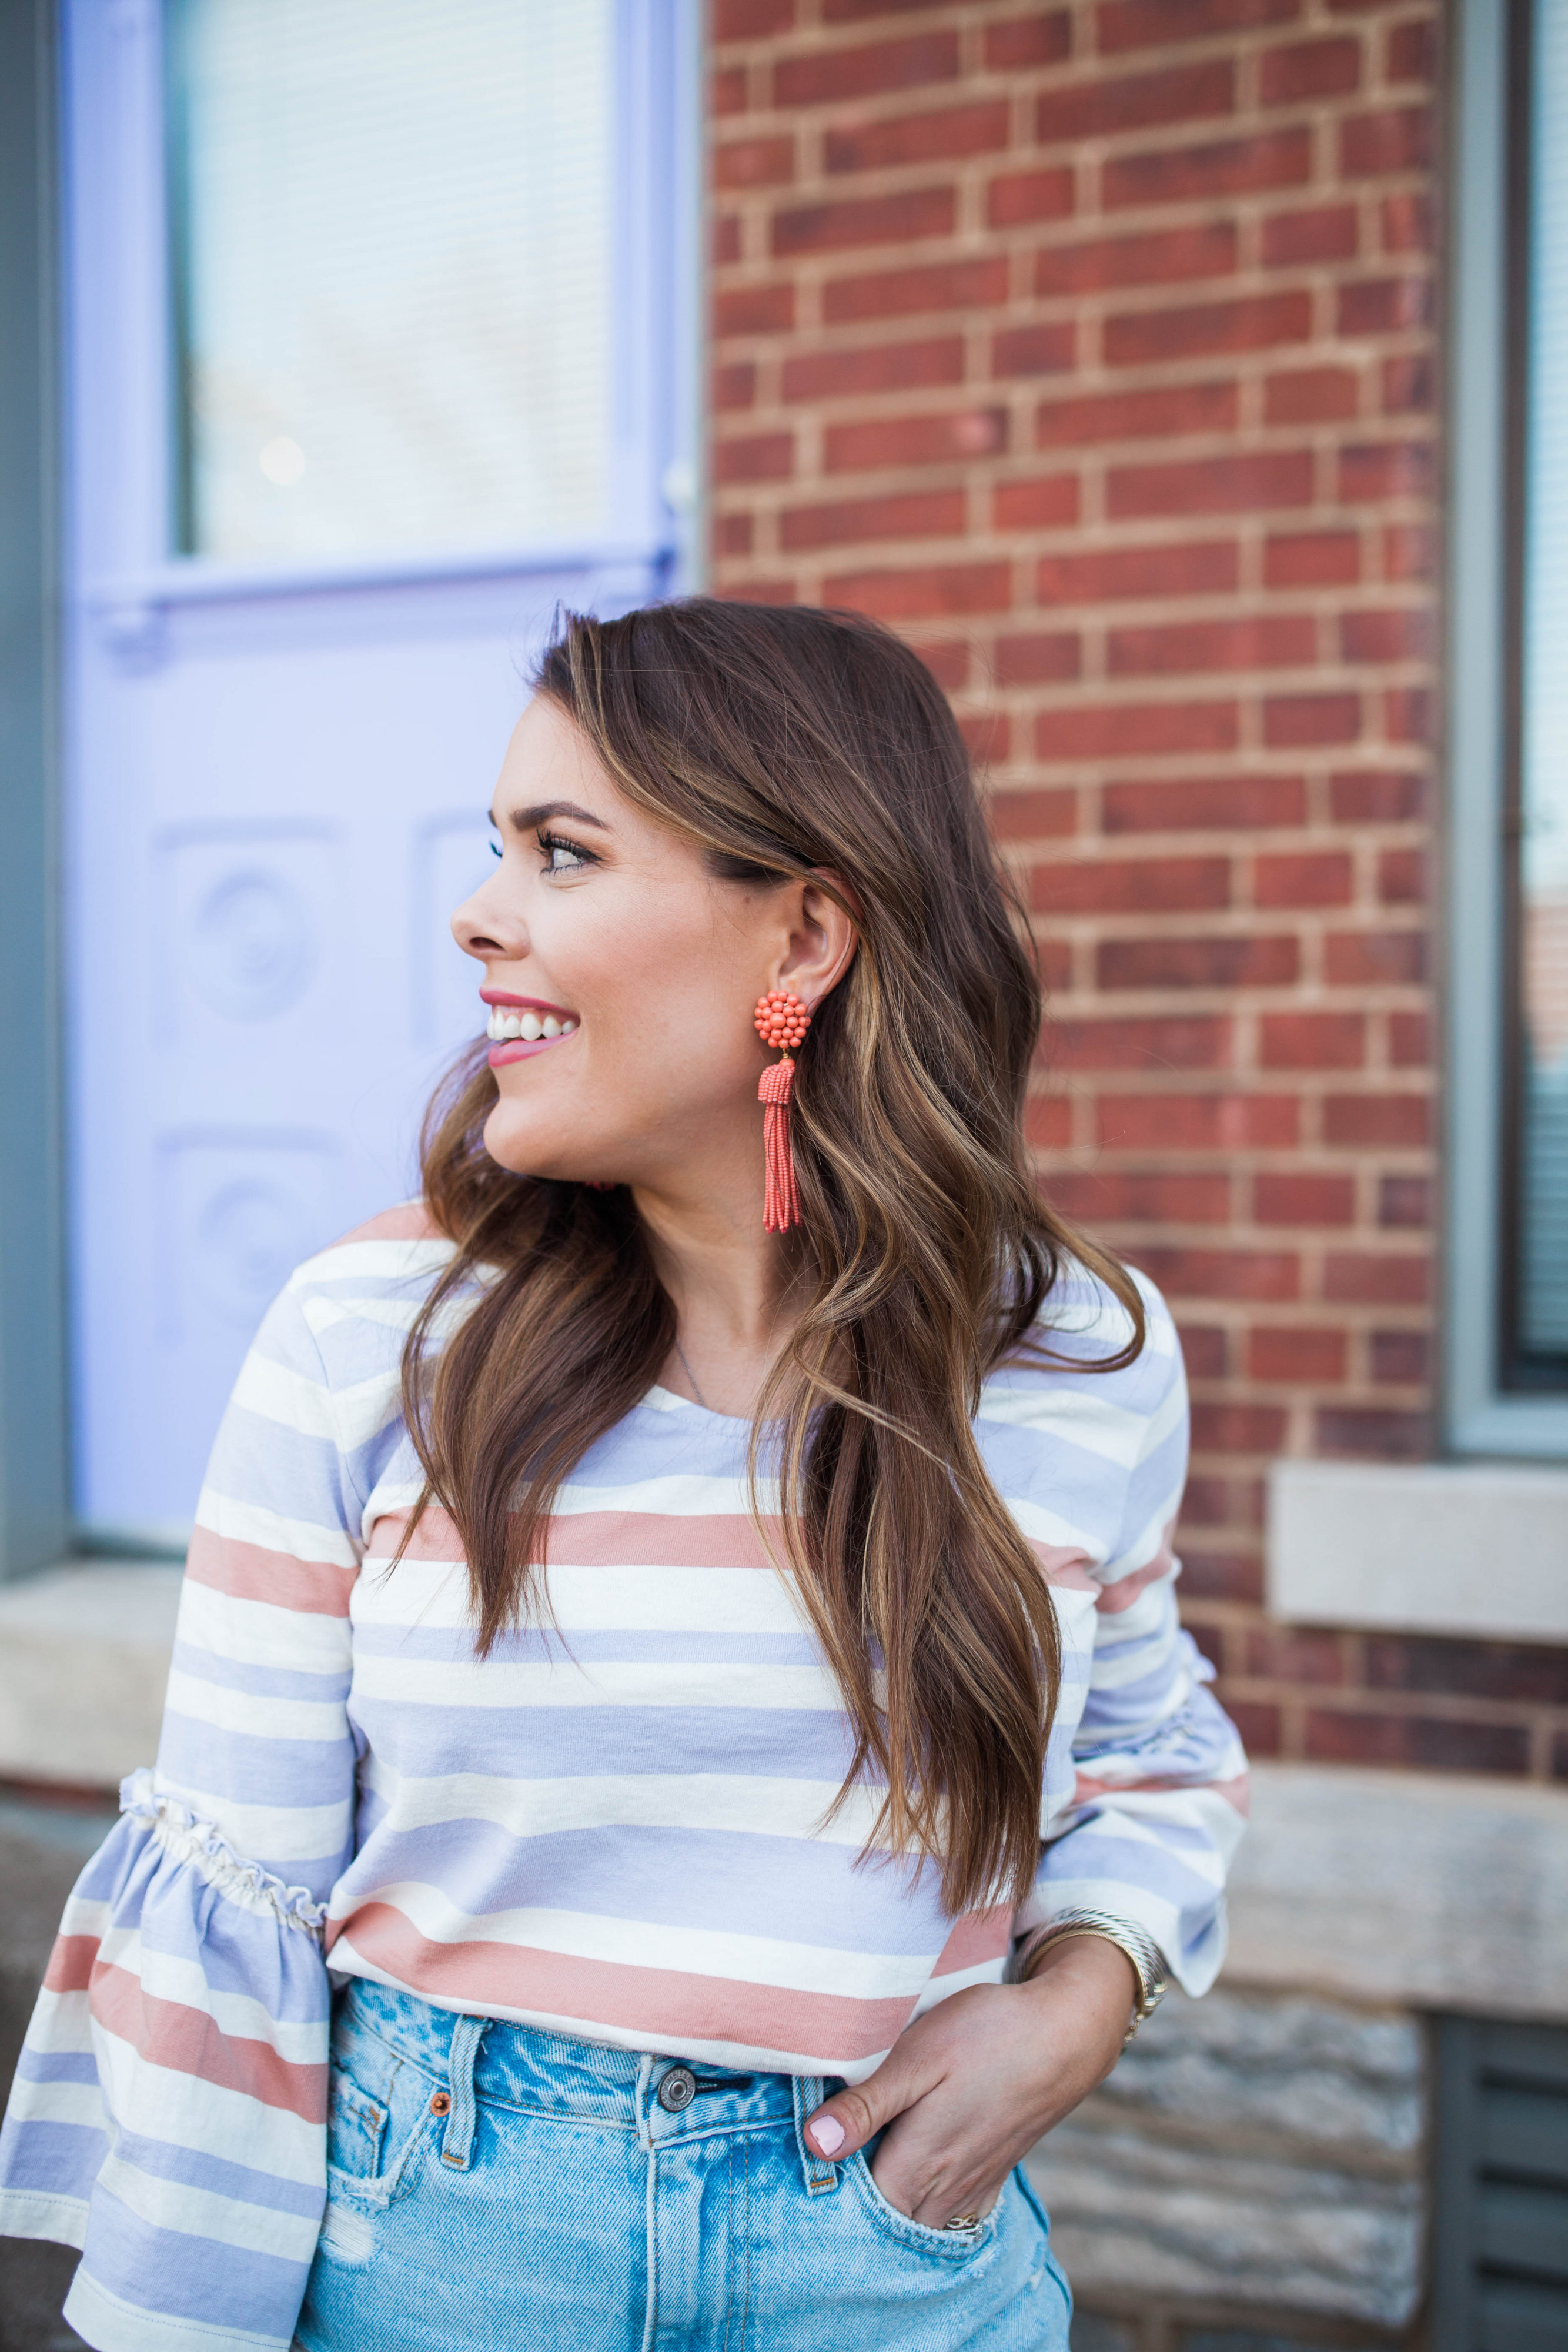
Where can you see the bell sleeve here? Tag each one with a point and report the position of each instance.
(169, 2110)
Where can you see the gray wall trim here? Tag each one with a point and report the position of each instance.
(35, 1503)
(1481, 1418)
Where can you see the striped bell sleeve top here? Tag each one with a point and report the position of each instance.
(616, 1826)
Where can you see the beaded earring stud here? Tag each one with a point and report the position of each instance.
(781, 1019)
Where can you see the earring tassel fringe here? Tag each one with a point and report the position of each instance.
(781, 1205)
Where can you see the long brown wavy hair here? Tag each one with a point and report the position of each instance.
(785, 741)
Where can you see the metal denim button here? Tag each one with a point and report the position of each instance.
(677, 2090)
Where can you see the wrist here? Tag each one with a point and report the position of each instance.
(1098, 1929)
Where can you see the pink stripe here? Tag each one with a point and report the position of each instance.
(604, 1539)
(659, 2007)
(1126, 1589)
(411, 1221)
(187, 2042)
(247, 1571)
(1064, 1565)
(978, 1936)
(1235, 1792)
(71, 1964)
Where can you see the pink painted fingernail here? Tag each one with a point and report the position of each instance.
(829, 2134)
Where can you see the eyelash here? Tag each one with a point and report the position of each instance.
(549, 843)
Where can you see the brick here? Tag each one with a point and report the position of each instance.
(1261, 1275)
(1318, 878)
(1404, 633)
(725, 240)
(1311, 559)
(1518, 1671)
(1260, 1724)
(1049, 501)
(1241, 483)
(1043, 38)
(735, 385)
(1265, 641)
(1296, 1354)
(1411, 53)
(751, 20)
(1320, 233)
(1159, 414)
(863, 220)
(754, 163)
(733, 534)
(1276, 1654)
(761, 592)
(1402, 877)
(916, 592)
(1167, 1042)
(1378, 1277)
(1041, 655)
(757, 458)
(755, 311)
(1046, 349)
(955, 131)
(1099, 108)
(908, 514)
(1401, 1359)
(1385, 469)
(1197, 1122)
(1129, 885)
(1382, 306)
(948, 659)
(1405, 1203)
(1318, 395)
(1033, 816)
(987, 736)
(1408, 714)
(1410, 1041)
(830, 76)
(1198, 568)
(1407, 384)
(1409, 552)
(1233, 1577)
(1207, 1351)
(1339, 1735)
(852, 12)
(1375, 959)
(942, 439)
(1151, 1197)
(1159, 256)
(1307, 69)
(1401, 1120)
(1221, 803)
(1122, 730)
(1380, 1433)
(977, 285)
(1227, 167)
(1374, 146)
(727, 91)
(1294, 719)
(1304, 1200)
(1149, 23)
(1255, 322)
(1311, 1041)
(1407, 221)
(1014, 198)
(1048, 1122)
(1228, 962)
(874, 367)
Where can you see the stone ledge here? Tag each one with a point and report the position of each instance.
(84, 1658)
(1421, 1547)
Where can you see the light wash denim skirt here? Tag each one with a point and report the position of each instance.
(490, 2185)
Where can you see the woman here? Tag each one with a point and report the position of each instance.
(639, 1598)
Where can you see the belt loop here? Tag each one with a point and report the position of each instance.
(820, 2175)
(466, 2034)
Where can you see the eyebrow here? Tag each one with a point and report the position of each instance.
(526, 819)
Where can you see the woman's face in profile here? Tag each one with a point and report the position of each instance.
(619, 973)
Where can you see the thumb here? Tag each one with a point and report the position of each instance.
(842, 2125)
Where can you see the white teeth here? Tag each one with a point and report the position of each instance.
(551, 1025)
(503, 1026)
(511, 1027)
(493, 1026)
(568, 1027)
(531, 1027)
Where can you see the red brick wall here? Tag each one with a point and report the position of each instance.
(1094, 347)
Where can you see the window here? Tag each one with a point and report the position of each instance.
(1508, 734)
(1500, 2234)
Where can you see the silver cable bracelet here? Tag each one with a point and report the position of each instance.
(1148, 1962)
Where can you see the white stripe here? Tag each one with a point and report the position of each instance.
(1078, 1416)
(203, 2213)
(271, 1833)
(253, 1523)
(263, 1718)
(400, 1682)
(262, 1633)
(687, 1496)
(162, 2103)
(373, 1260)
(100, 2316)
(626, 1598)
(1146, 1545)
(755, 1807)
(56, 2103)
(645, 1943)
(275, 1392)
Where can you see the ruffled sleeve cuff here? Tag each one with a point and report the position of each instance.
(169, 2110)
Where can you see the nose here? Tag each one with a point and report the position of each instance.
(484, 930)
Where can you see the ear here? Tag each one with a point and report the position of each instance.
(822, 939)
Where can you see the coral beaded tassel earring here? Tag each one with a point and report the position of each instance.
(781, 1019)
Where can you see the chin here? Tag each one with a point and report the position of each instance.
(517, 1144)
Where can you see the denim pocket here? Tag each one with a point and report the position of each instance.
(374, 2136)
(950, 2245)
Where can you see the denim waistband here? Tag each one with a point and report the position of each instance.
(493, 2061)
